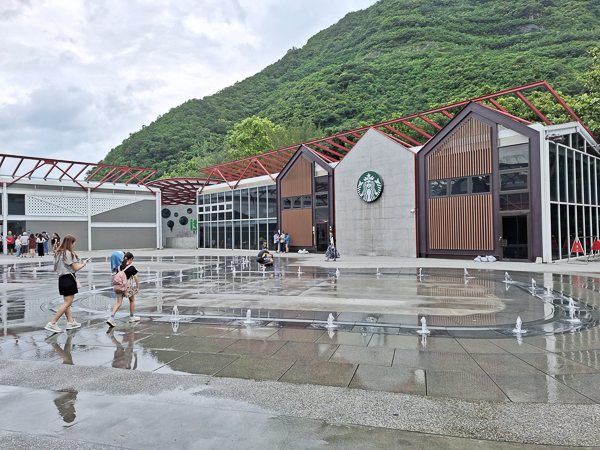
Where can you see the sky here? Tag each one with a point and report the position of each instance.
(77, 77)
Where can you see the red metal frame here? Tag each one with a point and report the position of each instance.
(70, 169)
(334, 148)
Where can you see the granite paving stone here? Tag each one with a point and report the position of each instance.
(376, 356)
(143, 359)
(253, 347)
(389, 379)
(449, 362)
(554, 364)
(204, 344)
(463, 385)
(296, 335)
(198, 363)
(256, 368)
(163, 341)
(345, 338)
(305, 351)
(250, 333)
(480, 346)
(207, 330)
(417, 343)
(320, 372)
(590, 358)
(514, 346)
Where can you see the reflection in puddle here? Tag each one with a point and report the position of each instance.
(65, 402)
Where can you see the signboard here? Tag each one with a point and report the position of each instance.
(194, 225)
(369, 186)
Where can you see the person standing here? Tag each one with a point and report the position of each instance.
(32, 242)
(18, 245)
(40, 244)
(131, 274)
(46, 239)
(24, 245)
(66, 263)
(287, 243)
(276, 241)
(116, 259)
(10, 243)
(55, 242)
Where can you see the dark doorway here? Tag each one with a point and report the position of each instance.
(514, 240)
(322, 236)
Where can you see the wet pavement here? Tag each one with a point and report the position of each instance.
(194, 323)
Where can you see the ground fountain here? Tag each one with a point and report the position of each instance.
(518, 326)
(299, 270)
(337, 273)
(175, 314)
(466, 274)
(330, 325)
(378, 272)
(249, 319)
(507, 278)
(533, 284)
(424, 330)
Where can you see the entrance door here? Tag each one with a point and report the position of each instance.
(514, 239)
(322, 236)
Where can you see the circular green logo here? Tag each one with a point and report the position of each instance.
(369, 186)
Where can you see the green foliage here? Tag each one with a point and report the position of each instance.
(394, 58)
(250, 137)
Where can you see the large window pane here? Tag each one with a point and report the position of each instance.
(253, 235)
(16, 205)
(514, 202)
(321, 184)
(237, 206)
(228, 235)
(245, 234)
(272, 228)
(200, 236)
(296, 202)
(262, 201)
(221, 197)
(513, 157)
(586, 179)
(578, 178)
(244, 199)
(272, 206)
(459, 186)
(321, 200)
(307, 201)
(228, 196)
(554, 230)
(221, 235)
(438, 188)
(237, 235)
(213, 198)
(562, 174)
(571, 176)
(553, 173)
(287, 203)
(253, 202)
(513, 181)
(262, 232)
(200, 200)
(594, 197)
(214, 235)
(322, 213)
(564, 231)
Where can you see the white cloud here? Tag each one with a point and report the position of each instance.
(78, 76)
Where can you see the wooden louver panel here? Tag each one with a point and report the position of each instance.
(298, 181)
(466, 152)
(461, 223)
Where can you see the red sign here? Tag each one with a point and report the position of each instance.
(596, 245)
(576, 248)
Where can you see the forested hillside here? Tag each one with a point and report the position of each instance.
(396, 57)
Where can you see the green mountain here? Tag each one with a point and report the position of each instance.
(396, 57)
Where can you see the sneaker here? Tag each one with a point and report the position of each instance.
(134, 319)
(111, 322)
(73, 325)
(52, 327)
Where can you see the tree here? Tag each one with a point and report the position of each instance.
(251, 136)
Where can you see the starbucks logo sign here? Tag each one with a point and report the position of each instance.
(369, 186)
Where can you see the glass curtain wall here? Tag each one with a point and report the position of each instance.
(240, 219)
(574, 194)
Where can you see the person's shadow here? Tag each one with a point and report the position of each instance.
(65, 403)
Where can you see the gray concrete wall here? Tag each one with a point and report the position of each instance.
(125, 238)
(77, 229)
(179, 231)
(143, 211)
(385, 227)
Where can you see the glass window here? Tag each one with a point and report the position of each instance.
(459, 186)
(570, 176)
(296, 202)
(221, 216)
(213, 216)
(200, 217)
(221, 207)
(228, 195)
(221, 235)
(200, 199)
(253, 235)
(236, 205)
(586, 179)
(287, 203)
(563, 241)
(307, 201)
(245, 234)
(438, 188)
(244, 208)
(578, 178)
(321, 213)
(237, 234)
(16, 204)
(513, 181)
(594, 198)
(214, 207)
(553, 173)
(513, 156)
(214, 235)
(206, 199)
(562, 174)
(213, 198)
(480, 184)
(272, 205)
(272, 228)
(228, 235)
(253, 203)
(554, 230)
(514, 202)
(228, 206)
(262, 201)
(228, 215)
(262, 232)
(321, 184)
(321, 200)
(221, 197)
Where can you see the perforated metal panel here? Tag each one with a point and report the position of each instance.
(36, 205)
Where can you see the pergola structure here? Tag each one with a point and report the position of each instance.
(19, 167)
(412, 130)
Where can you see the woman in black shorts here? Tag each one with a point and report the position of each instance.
(66, 263)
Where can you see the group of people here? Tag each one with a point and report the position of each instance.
(281, 241)
(27, 244)
(67, 263)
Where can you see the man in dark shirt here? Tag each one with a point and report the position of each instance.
(264, 258)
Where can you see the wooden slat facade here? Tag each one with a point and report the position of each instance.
(461, 223)
(467, 152)
(298, 224)
(298, 181)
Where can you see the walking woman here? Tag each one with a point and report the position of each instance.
(131, 274)
(66, 263)
(331, 250)
(55, 242)
(32, 242)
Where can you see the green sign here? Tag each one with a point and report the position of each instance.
(194, 225)
(369, 186)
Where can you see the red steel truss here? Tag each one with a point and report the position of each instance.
(407, 130)
(179, 191)
(19, 167)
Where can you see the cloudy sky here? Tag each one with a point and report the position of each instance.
(78, 76)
